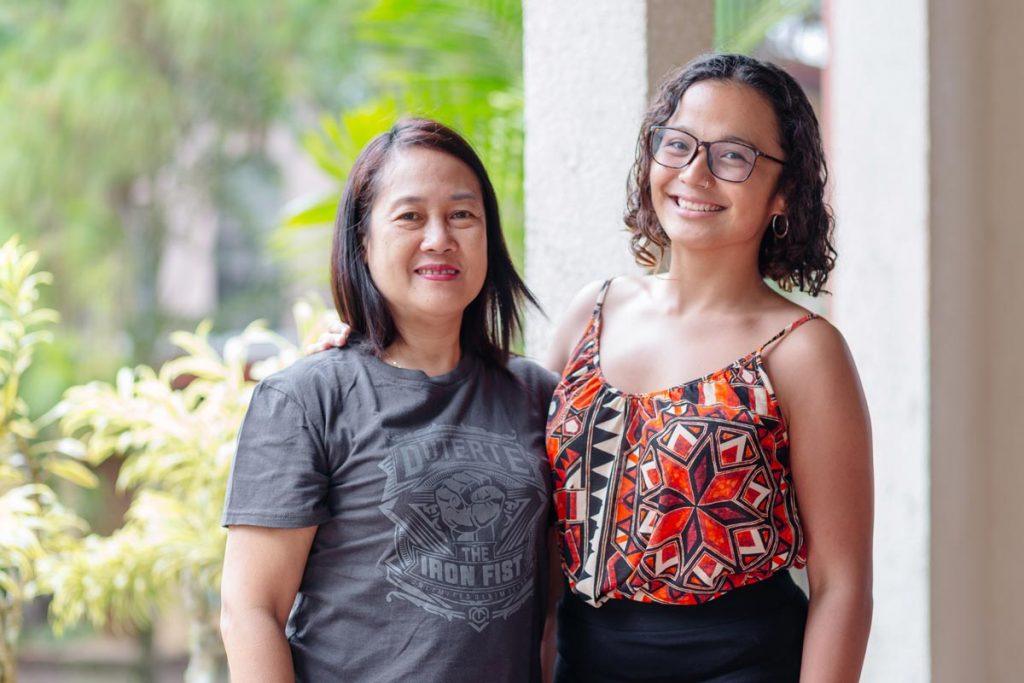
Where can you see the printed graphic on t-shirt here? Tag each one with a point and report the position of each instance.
(465, 503)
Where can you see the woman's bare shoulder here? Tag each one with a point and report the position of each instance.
(625, 289)
(813, 366)
(571, 324)
(815, 342)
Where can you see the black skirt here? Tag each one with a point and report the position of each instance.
(752, 634)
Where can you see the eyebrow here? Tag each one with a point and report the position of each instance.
(412, 199)
(727, 138)
(737, 138)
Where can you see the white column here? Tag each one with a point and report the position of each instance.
(879, 111)
(589, 67)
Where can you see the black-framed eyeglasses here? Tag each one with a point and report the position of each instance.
(727, 160)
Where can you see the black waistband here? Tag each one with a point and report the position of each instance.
(772, 593)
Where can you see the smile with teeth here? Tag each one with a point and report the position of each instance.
(697, 206)
(438, 271)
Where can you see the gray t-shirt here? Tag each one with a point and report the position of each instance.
(431, 495)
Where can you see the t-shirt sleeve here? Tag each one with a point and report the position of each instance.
(539, 382)
(279, 477)
(543, 388)
(549, 381)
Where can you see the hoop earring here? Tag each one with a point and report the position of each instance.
(775, 226)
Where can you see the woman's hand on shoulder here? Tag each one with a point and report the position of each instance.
(570, 326)
(335, 336)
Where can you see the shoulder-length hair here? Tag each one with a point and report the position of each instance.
(806, 255)
(492, 320)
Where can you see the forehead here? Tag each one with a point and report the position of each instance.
(714, 110)
(426, 173)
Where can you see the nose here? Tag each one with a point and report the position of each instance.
(698, 172)
(437, 236)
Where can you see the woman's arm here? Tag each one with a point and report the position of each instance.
(830, 454)
(262, 571)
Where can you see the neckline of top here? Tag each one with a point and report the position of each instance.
(599, 371)
(467, 363)
(755, 355)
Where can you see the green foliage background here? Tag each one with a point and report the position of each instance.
(102, 99)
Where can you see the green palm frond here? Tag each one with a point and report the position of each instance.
(741, 25)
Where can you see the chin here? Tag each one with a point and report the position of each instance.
(444, 307)
(694, 236)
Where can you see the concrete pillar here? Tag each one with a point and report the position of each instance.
(881, 169)
(959, 311)
(993, 225)
(589, 69)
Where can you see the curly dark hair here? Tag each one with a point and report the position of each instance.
(803, 258)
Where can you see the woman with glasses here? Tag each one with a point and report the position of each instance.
(707, 434)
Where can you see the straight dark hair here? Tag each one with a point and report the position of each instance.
(492, 320)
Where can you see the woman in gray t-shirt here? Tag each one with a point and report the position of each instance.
(388, 502)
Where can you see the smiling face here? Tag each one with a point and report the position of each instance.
(696, 209)
(426, 247)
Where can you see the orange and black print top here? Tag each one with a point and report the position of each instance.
(674, 496)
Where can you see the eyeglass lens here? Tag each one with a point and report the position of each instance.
(728, 161)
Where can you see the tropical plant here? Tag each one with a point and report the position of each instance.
(457, 62)
(176, 431)
(34, 525)
(741, 25)
(129, 128)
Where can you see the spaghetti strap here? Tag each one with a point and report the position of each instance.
(599, 304)
(789, 328)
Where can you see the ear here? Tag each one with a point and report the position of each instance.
(364, 244)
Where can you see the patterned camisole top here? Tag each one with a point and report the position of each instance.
(675, 496)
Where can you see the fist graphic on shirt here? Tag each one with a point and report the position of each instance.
(468, 503)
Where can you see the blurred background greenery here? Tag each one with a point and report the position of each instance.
(179, 161)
